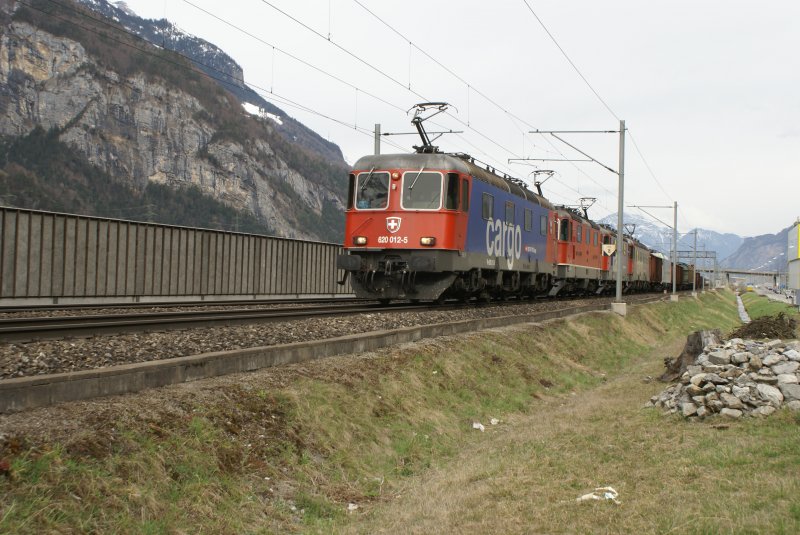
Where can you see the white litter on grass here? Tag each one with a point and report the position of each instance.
(494, 421)
(351, 507)
(478, 425)
(599, 494)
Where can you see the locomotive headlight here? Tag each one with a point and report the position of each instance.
(359, 240)
(427, 241)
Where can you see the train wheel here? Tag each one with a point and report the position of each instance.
(384, 301)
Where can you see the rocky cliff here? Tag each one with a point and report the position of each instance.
(218, 65)
(145, 116)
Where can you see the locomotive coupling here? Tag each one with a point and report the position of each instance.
(350, 262)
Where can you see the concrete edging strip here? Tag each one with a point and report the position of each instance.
(23, 393)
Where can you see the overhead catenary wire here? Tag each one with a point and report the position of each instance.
(512, 116)
(380, 71)
(272, 95)
(651, 216)
(646, 164)
(294, 56)
(597, 95)
(569, 60)
(383, 73)
(304, 62)
(440, 64)
(317, 68)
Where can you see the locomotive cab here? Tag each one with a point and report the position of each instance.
(404, 214)
(437, 199)
(578, 254)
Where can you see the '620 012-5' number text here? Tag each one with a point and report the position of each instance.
(392, 239)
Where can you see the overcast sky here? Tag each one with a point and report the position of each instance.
(709, 90)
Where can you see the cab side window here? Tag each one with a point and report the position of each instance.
(351, 190)
(451, 199)
(487, 211)
(563, 230)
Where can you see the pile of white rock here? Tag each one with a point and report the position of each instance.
(739, 377)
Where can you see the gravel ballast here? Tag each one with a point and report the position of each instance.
(58, 356)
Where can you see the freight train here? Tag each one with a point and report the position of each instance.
(433, 226)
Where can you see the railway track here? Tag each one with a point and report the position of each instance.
(25, 329)
(84, 368)
(116, 320)
(74, 309)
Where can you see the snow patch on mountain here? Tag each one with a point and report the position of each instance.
(257, 111)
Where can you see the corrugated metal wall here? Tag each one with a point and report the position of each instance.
(46, 255)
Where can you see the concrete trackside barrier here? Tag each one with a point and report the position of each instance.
(42, 390)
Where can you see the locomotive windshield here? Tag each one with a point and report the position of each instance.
(422, 190)
(372, 191)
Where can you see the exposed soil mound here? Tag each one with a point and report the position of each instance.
(780, 326)
(695, 343)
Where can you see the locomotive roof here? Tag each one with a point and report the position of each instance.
(575, 214)
(457, 162)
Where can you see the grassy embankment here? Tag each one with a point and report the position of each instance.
(287, 450)
(758, 306)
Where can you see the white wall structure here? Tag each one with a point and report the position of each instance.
(793, 256)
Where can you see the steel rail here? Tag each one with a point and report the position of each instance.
(174, 304)
(48, 328)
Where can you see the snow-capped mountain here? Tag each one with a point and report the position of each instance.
(207, 56)
(659, 237)
(218, 65)
(760, 253)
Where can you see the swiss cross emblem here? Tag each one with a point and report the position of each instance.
(393, 224)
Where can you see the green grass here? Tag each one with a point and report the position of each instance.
(261, 456)
(758, 306)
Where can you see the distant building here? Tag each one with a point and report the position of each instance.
(793, 256)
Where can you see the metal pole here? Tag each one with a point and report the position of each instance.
(694, 279)
(714, 273)
(675, 248)
(620, 199)
(377, 139)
